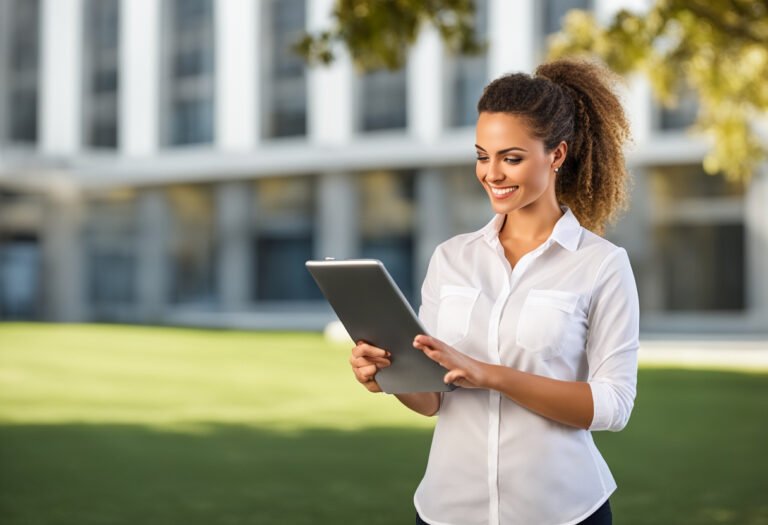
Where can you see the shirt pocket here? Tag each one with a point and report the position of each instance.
(454, 312)
(544, 321)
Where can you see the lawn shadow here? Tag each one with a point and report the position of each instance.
(127, 474)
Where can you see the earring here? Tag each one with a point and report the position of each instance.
(557, 170)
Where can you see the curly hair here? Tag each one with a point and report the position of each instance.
(573, 100)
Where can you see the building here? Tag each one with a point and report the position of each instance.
(173, 162)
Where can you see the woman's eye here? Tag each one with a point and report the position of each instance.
(482, 158)
(512, 161)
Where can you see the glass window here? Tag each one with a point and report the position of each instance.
(192, 244)
(698, 240)
(286, 107)
(702, 265)
(23, 69)
(101, 73)
(683, 114)
(382, 99)
(469, 75)
(387, 224)
(110, 240)
(284, 240)
(553, 12)
(20, 270)
(190, 70)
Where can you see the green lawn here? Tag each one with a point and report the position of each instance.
(107, 425)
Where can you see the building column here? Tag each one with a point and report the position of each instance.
(233, 235)
(330, 107)
(140, 61)
(63, 254)
(425, 92)
(511, 37)
(757, 247)
(153, 258)
(237, 30)
(433, 219)
(337, 231)
(60, 79)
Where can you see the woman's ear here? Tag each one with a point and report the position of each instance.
(560, 152)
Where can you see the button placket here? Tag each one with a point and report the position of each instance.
(494, 397)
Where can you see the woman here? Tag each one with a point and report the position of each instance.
(535, 316)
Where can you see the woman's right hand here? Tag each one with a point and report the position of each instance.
(366, 360)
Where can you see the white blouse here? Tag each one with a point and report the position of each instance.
(568, 310)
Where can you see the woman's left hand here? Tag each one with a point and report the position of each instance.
(462, 369)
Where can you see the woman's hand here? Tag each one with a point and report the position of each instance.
(366, 361)
(462, 369)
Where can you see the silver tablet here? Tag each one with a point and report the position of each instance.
(372, 308)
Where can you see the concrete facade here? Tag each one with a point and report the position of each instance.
(274, 199)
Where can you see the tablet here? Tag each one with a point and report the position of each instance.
(372, 308)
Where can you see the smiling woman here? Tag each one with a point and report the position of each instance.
(535, 315)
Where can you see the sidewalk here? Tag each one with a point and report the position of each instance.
(677, 351)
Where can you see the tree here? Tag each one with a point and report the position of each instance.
(378, 33)
(717, 48)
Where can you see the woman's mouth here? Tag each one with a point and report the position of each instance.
(503, 193)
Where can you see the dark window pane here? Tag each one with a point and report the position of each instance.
(192, 244)
(287, 100)
(111, 278)
(281, 271)
(20, 265)
(193, 122)
(555, 10)
(23, 110)
(703, 266)
(383, 99)
(102, 73)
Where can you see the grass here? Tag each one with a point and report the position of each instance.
(118, 425)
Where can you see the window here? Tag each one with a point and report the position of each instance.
(284, 240)
(469, 75)
(682, 115)
(192, 244)
(551, 16)
(698, 240)
(111, 236)
(553, 12)
(190, 70)
(286, 95)
(101, 73)
(23, 70)
(387, 224)
(20, 269)
(382, 99)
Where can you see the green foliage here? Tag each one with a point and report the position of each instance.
(718, 49)
(378, 33)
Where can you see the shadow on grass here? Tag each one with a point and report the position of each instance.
(109, 474)
(693, 453)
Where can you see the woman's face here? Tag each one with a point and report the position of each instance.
(512, 165)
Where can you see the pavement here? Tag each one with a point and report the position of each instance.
(695, 352)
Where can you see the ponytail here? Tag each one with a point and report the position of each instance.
(573, 101)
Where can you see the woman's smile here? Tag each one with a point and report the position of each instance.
(501, 193)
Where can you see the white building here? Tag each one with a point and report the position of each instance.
(173, 162)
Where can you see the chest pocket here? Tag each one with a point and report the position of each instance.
(454, 312)
(544, 321)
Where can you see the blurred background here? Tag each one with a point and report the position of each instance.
(174, 163)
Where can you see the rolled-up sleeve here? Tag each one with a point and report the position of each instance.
(613, 343)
